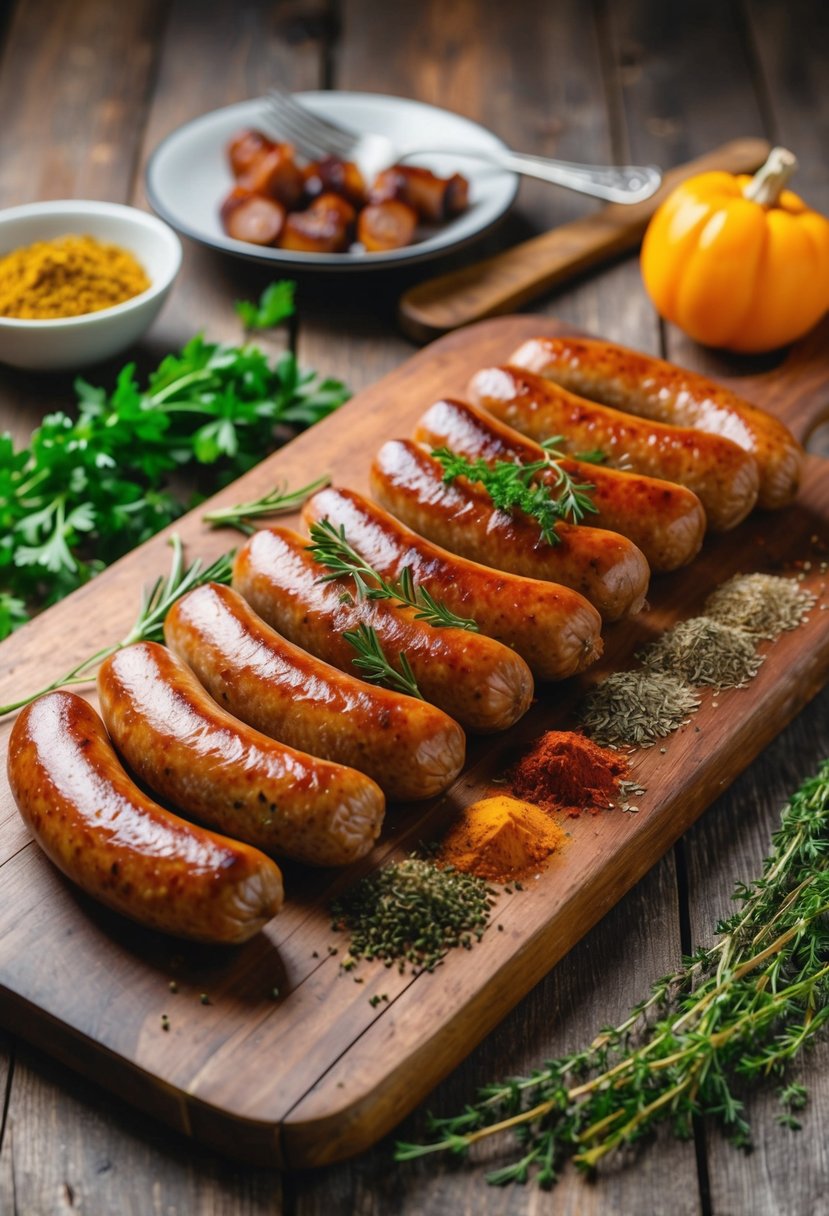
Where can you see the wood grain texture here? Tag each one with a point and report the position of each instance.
(348, 1072)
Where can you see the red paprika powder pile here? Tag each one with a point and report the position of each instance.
(566, 772)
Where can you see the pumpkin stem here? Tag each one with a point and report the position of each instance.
(770, 180)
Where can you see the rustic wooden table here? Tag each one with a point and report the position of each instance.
(87, 88)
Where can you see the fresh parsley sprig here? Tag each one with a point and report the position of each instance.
(738, 1011)
(90, 487)
(279, 501)
(330, 547)
(513, 486)
(276, 304)
(149, 624)
(372, 663)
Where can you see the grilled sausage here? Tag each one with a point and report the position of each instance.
(607, 569)
(433, 198)
(723, 476)
(384, 226)
(252, 217)
(481, 683)
(663, 392)
(122, 848)
(666, 521)
(554, 629)
(411, 749)
(195, 755)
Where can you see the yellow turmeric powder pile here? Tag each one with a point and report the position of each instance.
(67, 277)
(500, 839)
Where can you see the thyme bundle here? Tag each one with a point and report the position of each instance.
(740, 1010)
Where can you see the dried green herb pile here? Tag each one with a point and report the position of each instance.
(736, 1012)
(413, 912)
(637, 707)
(704, 651)
(717, 649)
(764, 605)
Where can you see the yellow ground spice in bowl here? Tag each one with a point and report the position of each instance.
(500, 839)
(68, 276)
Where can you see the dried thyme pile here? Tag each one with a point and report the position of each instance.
(704, 651)
(637, 707)
(763, 605)
(413, 911)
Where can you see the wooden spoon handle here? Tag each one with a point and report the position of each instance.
(503, 283)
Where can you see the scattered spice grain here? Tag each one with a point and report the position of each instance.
(764, 605)
(500, 839)
(635, 708)
(704, 651)
(414, 912)
(567, 772)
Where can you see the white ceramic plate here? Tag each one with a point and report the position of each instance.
(188, 175)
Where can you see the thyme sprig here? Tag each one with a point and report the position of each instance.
(330, 547)
(513, 486)
(373, 664)
(740, 1010)
(149, 624)
(279, 501)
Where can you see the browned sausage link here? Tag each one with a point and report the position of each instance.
(122, 848)
(723, 476)
(481, 683)
(605, 568)
(252, 217)
(554, 629)
(411, 749)
(666, 521)
(384, 226)
(663, 392)
(198, 757)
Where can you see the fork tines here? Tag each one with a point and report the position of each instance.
(311, 135)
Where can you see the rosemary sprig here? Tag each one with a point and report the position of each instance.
(374, 665)
(513, 486)
(279, 501)
(149, 624)
(741, 1009)
(330, 548)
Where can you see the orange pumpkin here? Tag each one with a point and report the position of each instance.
(739, 262)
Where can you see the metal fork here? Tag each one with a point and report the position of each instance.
(316, 137)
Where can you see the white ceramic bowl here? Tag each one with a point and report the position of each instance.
(74, 342)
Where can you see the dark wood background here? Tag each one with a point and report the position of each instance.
(87, 88)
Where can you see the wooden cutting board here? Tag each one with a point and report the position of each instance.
(317, 1073)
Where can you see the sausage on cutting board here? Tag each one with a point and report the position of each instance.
(481, 683)
(663, 392)
(554, 629)
(607, 569)
(723, 476)
(666, 521)
(201, 759)
(122, 848)
(410, 748)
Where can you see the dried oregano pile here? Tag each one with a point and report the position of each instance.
(413, 912)
(716, 650)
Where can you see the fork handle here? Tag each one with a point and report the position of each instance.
(505, 282)
(614, 184)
